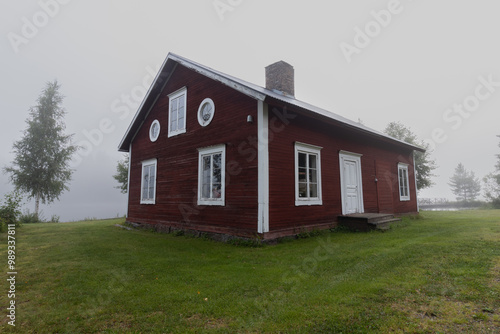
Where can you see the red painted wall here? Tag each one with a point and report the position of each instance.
(379, 161)
(177, 176)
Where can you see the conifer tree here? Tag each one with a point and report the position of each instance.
(464, 184)
(492, 184)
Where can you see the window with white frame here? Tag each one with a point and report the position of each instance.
(177, 112)
(148, 182)
(404, 184)
(211, 175)
(307, 174)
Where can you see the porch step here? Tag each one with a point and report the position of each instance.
(368, 221)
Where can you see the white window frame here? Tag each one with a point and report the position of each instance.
(149, 163)
(309, 150)
(209, 151)
(151, 137)
(201, 121)
(181, 93)
(402, 196)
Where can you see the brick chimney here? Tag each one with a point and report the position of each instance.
(280, 78)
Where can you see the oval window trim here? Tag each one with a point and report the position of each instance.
(206, 119)
(154, 136)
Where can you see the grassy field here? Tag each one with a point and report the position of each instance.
(438, 274)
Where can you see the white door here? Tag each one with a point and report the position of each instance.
(351, 186)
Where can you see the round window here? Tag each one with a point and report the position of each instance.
(154, 130)
(206, 112)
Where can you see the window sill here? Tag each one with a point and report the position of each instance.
(176, 133)
(308, 202)
(211, 203)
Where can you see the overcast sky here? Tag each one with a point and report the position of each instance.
(432, 65)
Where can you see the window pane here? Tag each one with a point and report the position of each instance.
(302, 174)
(180, 112)
(173, 114)
(217, 160)
(151, 194)
(205, 185)
(180, 115)
(206, 170)
(302, 160)
(302, 189)
(313, 190)
(145, 183)
(312, 161)
(216, 190)
(181, 101)
(152, 182)
(313, 176)
(173, 121)
(205, 191)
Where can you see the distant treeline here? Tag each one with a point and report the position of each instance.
(432, 203)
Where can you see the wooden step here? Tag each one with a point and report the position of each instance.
(367, 221)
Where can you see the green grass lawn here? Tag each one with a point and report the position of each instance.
(439, 274)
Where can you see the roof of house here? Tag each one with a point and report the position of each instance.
(247, 88)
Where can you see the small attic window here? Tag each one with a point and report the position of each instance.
(177, 112)
(154, 130)
(206, 112)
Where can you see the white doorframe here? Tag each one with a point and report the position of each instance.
(355, 157)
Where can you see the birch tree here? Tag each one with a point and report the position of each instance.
(41, 164)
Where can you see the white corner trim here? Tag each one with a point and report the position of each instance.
(263, 166)
(128, 177)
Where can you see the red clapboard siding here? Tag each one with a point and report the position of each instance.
(177, 176)
(379, 161)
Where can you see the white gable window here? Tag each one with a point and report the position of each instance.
(307, 174)
(148, 182)
(404, 188)
(177, 112)
(211, 175)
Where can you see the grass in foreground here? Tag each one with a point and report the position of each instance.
(438, 274)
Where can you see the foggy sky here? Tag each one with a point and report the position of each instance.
(434, 66)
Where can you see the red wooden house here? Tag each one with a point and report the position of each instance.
(213, 153)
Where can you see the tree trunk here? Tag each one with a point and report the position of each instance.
(37, 205)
